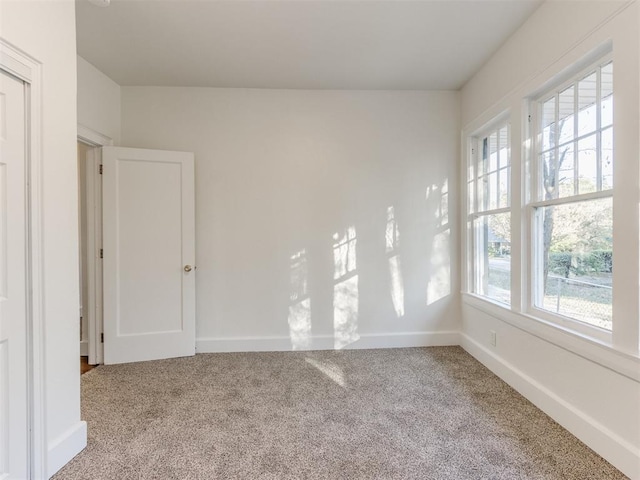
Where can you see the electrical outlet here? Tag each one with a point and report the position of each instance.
(492, 337)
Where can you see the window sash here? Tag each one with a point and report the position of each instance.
(481, 270)
(480, 172)
(538, 190)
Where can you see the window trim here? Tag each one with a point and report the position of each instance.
(516, 104)
(471, 205)
(599, 351)
(532, 202)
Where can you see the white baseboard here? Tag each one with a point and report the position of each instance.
(326, 342)
(617, 451)
(84, 348)
(65, 447)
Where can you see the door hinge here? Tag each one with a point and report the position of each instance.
(529, 118)
(100, 169)
(102, 338)
(101, 253)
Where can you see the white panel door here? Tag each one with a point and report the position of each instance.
(13, 280)
(149, 254)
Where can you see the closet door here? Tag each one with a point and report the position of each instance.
(13, 280)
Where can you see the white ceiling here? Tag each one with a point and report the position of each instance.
(296, 44)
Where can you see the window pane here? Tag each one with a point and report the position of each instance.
(493, 152)
(470, 197)
(587, 165)
(549, 112)
(493, 257)
(503, 178)
(606, 79)
(548, 167)
(607, 159)
(566, 173)
(574, 271)
(493, 191)
(559, 177)
(504, 147)
(548, 137)
(607, 111)
(606, 93)
(587, 105)
(482, 193)
(566, 114)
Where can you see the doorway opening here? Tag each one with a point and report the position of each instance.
(86, 212)
(137, 252)
(83, 149)
(90, 245)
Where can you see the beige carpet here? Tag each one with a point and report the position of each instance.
(418, 413)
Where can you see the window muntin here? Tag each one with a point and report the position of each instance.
(572, 208)
(489, 193)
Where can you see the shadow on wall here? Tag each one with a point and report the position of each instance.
(416, 252)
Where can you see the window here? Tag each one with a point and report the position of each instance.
(489, 194)
(571, 195)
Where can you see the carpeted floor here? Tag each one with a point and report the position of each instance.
(417, 413)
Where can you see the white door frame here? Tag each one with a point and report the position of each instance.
(93, 203)
(29, 70)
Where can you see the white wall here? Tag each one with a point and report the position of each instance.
(592, 389)
(280, 172)
(98, 101)
(46, 31)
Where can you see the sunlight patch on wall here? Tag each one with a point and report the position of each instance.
(392, 239)
(345, 312)
(392, 236)
(345, 290)
(397, 286)
(344, 253)
(330, 370)
(442, 213)
(300, 325)
(299, 302)
(439, 285)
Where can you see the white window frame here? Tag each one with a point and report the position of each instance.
(475, 273)
(535, 201)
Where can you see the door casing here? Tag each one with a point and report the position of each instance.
(93, 203)
(26, 68)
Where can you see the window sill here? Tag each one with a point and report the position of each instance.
(600, 352)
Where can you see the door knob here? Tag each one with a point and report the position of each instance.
(188, 268)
